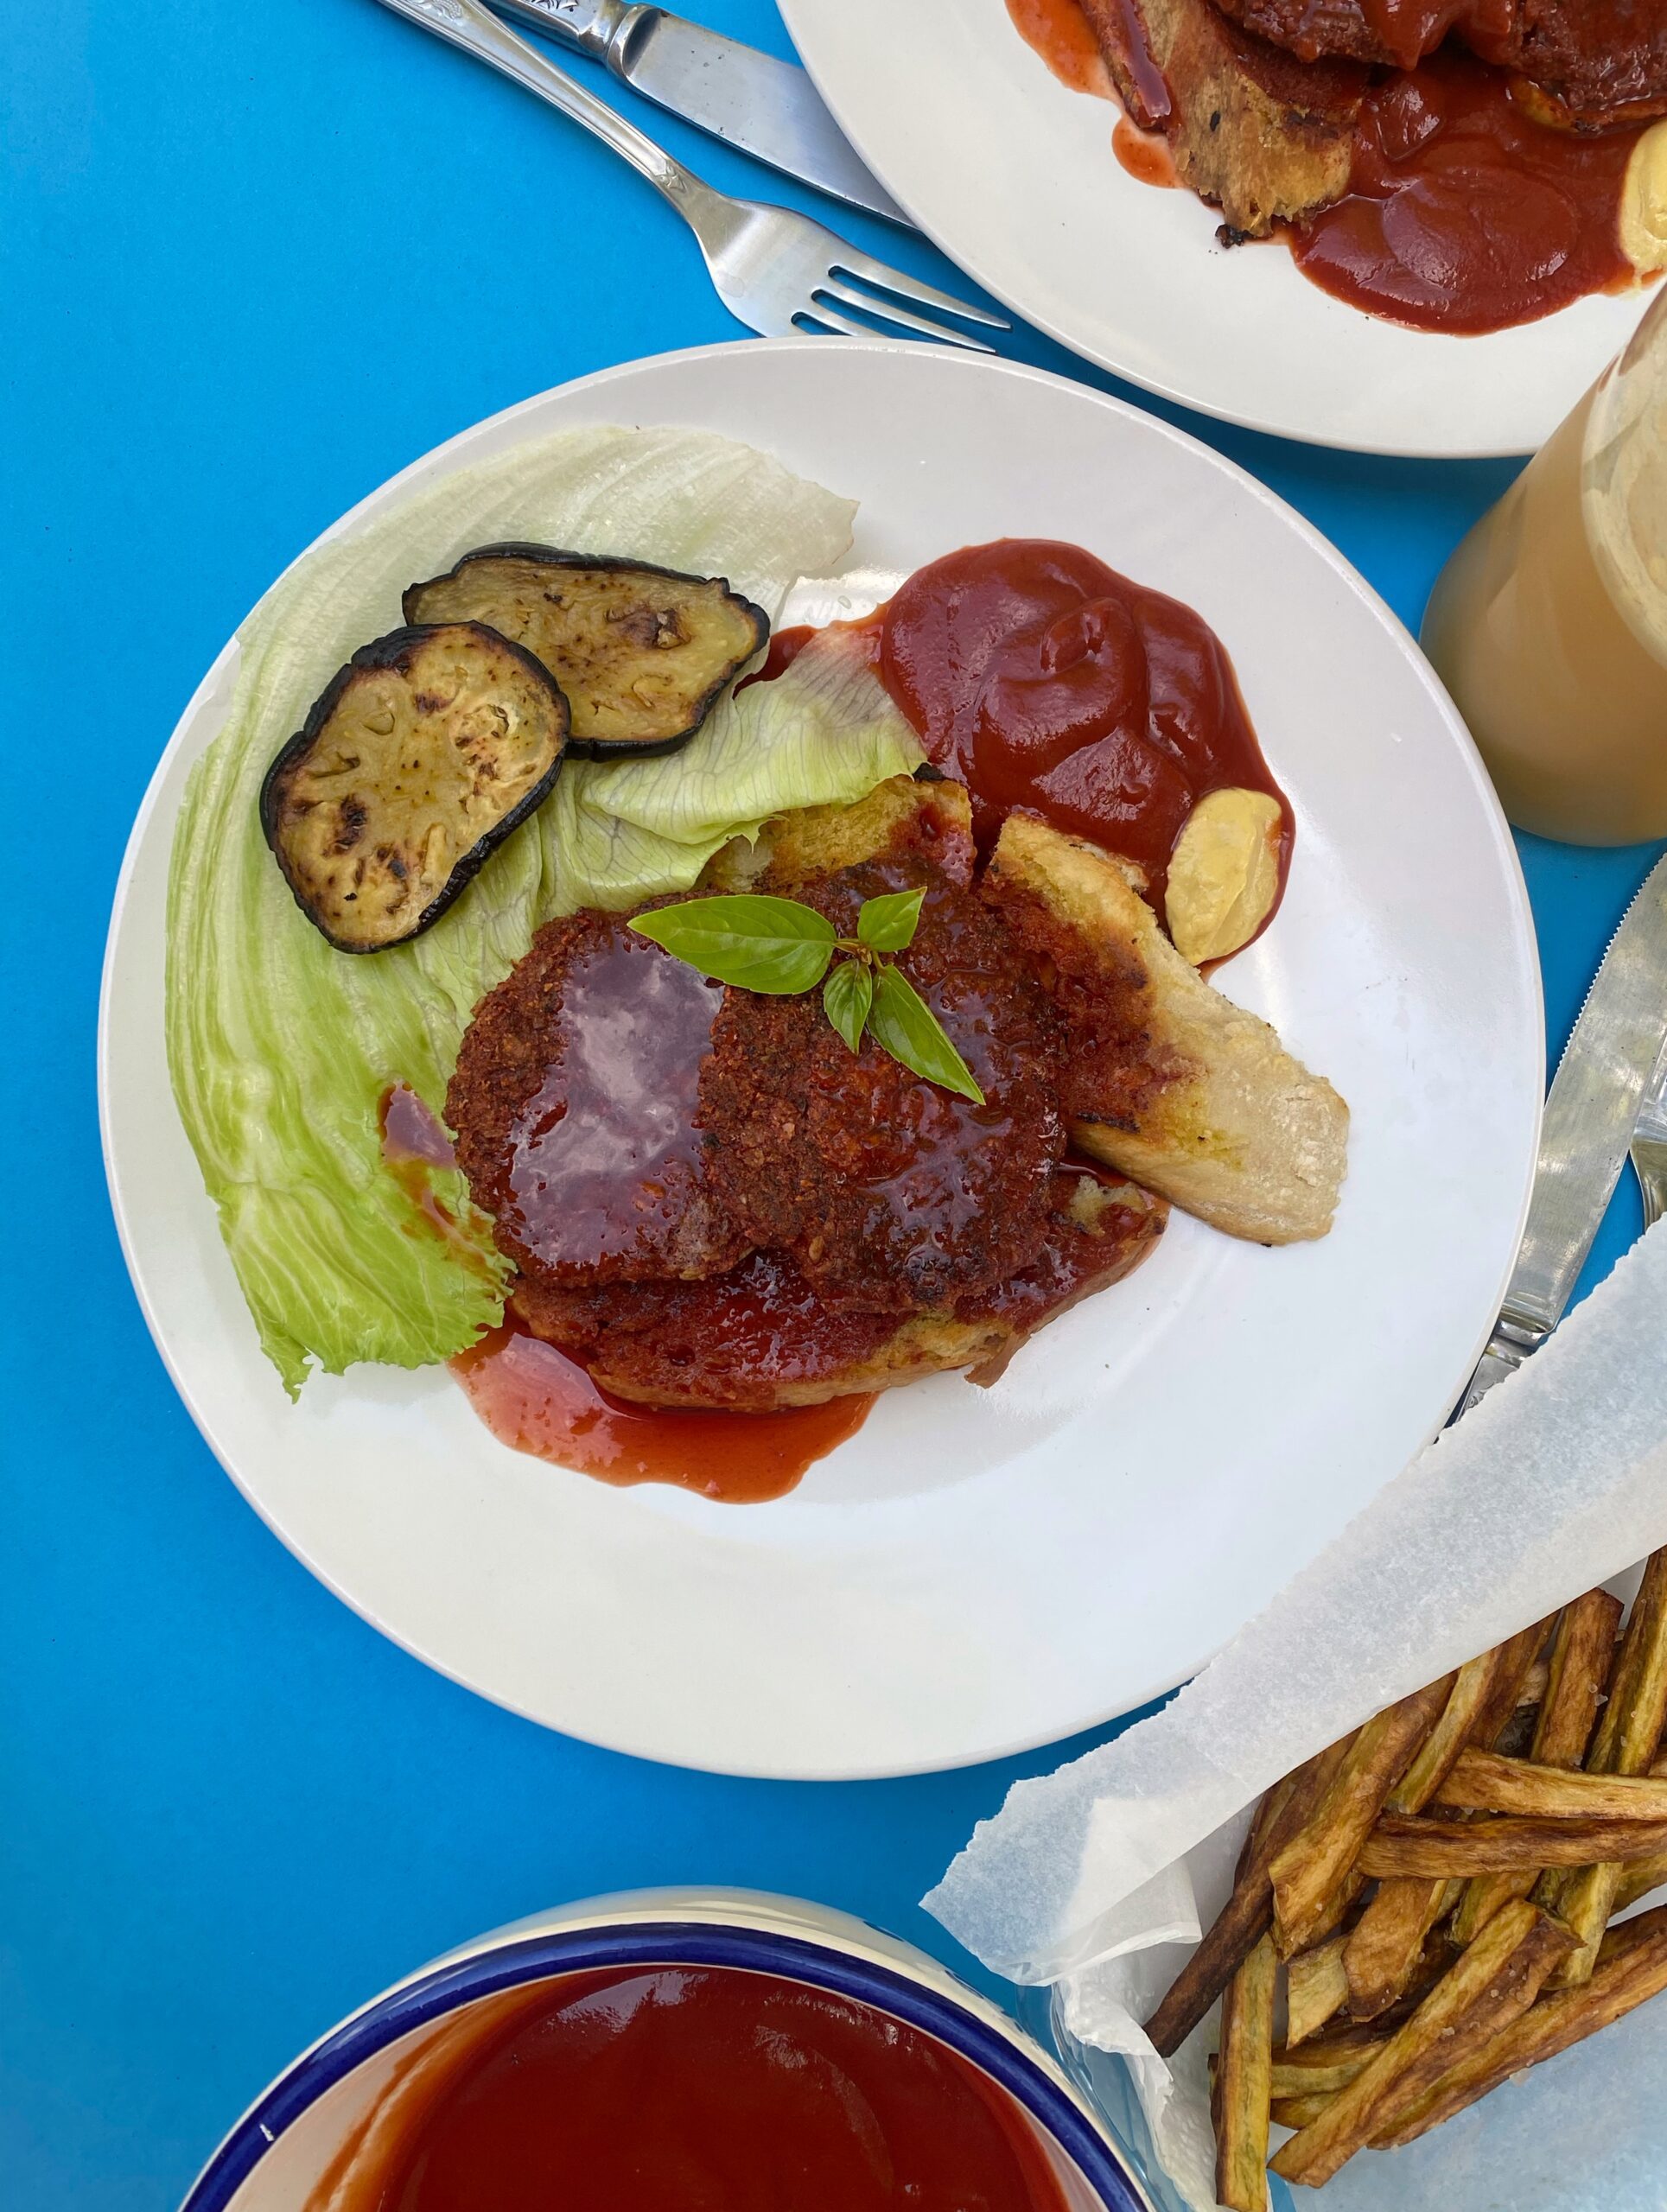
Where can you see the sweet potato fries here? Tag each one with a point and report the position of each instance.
(1440, 1891)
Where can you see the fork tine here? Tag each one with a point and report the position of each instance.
(884, 311)
(867, 271)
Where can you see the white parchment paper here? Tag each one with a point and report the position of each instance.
(1095, 1878)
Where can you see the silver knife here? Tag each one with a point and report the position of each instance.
(1590, 1115)
(762, 107)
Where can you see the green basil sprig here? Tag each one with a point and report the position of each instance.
(782, 947)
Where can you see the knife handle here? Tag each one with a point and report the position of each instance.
(471, 26)
(602, 28)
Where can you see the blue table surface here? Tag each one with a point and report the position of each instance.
(257, 258)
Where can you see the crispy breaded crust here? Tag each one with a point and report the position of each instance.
(1174, 1085)
(927, 813)
(1265, 137)
(676, 1345)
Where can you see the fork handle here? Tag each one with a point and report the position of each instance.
(472, 26)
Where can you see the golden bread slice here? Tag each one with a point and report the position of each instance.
(1170, 1082)
(1265, 137)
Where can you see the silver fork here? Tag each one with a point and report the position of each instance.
(1650, 1144)
(773, 269)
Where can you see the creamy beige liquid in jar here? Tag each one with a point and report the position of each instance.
(1549, 625)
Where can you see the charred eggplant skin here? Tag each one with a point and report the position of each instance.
(431, 600)
(395, 655)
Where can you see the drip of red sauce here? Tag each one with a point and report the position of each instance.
(636, 2090)
(1146, 155)
(414, 1143)
(608, 1147)
(784, 649)
(1043, 679)
(535, 1399)
(1061, 34)
(412, 1130)
(1462, 213)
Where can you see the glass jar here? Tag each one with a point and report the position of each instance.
(1549, 625)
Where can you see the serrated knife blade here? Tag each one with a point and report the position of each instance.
(753, 101)
(1590, 1113)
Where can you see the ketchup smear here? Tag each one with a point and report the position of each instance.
(1042, 679)
(634, 2089)
(535, 1399)
(1463, 214)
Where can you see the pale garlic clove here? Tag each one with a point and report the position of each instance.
(1224, 874)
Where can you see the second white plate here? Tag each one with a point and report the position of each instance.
(1013, 176)
(976, 1570)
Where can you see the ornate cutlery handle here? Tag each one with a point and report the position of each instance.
(602, 28)
(476, 30)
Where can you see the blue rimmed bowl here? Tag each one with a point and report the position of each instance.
(297, 2143)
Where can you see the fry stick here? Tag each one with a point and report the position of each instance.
(1324, 2066)
(1627, 1739)
(1434, 1756)
(1582, 1651)
(1316, 1986)
(1309, 1873)
(1488, 1845)
(1382, 1954)
(1494, 1981)
(1631, 1966)
(1517, 1659)
(1482, 1782)
(1243, 2082)
(1246, 1915)
(1384, 1951)
(1638, 1879)
(1298, 2111)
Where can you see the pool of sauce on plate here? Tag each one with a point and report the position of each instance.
(535, 1399)
(1464, 215)
(638, 2089)
(1042, 679)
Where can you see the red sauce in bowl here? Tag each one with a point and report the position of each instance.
(686, 2090)
(1042, 679)
(1462, 213)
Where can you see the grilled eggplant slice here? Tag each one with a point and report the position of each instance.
(641, 653)
(420, 756)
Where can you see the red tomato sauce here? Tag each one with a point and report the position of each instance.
(684, 2089)
(1462, 213)
(535, 1399)
(1042, 679)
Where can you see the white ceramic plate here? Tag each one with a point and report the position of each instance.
(978, 1570)
(1013, 175)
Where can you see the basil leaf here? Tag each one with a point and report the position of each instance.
(756, 942)
(903, 1025)
(846, 997)
(889, 923)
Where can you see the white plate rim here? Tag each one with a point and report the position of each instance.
(433, 460)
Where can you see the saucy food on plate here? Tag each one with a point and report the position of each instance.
(1442, 1895)
(1456, 165)
(643, 2087)
(701, 1120)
